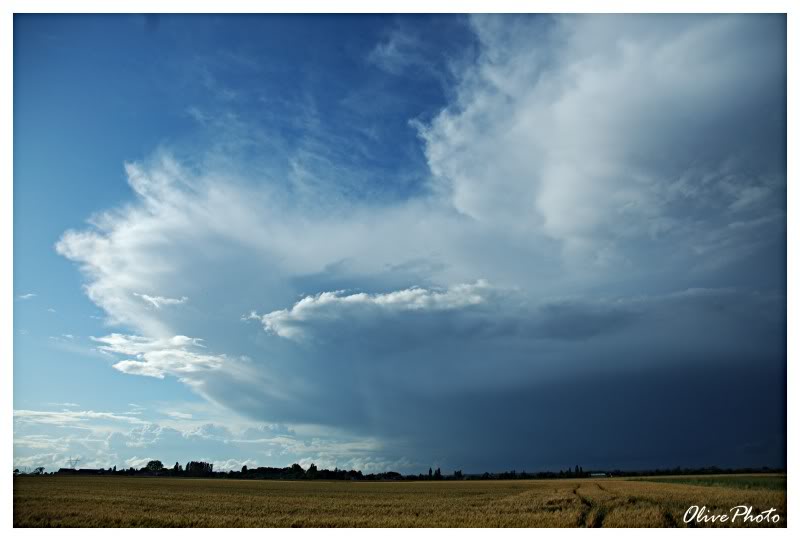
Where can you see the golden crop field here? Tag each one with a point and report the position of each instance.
(155, 502)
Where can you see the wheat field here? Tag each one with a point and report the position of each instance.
(156, 502)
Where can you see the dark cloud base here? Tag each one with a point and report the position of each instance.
(685, 415)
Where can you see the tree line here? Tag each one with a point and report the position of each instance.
(197, 468)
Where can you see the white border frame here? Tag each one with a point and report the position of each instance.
(359, 6)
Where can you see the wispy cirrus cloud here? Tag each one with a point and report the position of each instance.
(69, 417)
(399, 51)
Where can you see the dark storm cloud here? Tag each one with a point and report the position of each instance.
(661, 380)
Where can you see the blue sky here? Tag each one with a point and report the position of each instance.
(380, 242)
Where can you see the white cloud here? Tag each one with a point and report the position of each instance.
(156, 358)
(178, 414)
(69, 417)
(340, 306)
(137, 462)
(49, 438)
(27, 296)
(136, 345)
(159, 302)
(576, 128)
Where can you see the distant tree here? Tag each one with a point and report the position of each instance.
(244, 468)
(312, 471)
(115, 469)
(16, 471)
(458, 474)
(437, 474)
(430, 473)
(177, 468)
(154, 466)
(199, 468)
(38, 471)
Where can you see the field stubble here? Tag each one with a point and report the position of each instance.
(155, 502)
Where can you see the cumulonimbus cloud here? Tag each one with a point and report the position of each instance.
(588, 168)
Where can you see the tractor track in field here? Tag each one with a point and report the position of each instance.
(669, 518)
(595, 510)
(586, 507)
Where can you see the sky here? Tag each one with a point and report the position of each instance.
(399, 242)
